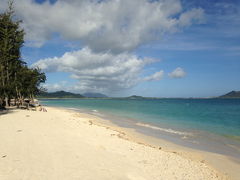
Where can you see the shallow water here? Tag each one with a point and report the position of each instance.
(207, 124)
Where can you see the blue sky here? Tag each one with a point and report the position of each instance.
(159, 48)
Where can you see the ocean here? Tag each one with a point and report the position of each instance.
(206, 124)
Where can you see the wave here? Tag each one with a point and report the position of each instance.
(94, 110)
(75, 109)
(163, 129)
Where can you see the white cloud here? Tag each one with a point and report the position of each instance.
(177, 73)
(192, 16)
(155, 77)
(55, 86)
(115, 25)
(99, 72)
(109, 30)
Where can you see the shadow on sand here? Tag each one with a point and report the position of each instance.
(8, 110)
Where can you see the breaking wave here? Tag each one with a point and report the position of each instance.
(168, 130)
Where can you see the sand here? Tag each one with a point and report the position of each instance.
(65, 145)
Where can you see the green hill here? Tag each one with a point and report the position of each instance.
(232, 94)
(59, 94)
(95, 95)
(135, 97)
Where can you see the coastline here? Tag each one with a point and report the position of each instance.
(197, 139)
(229, 168)
(105, 138)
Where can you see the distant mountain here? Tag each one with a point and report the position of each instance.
(95, 95)
(135, 97)
(232, 94)
(59, 94)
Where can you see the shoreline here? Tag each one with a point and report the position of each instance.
(214, 160)
(193, 139)
(204, 162)
(212, 134)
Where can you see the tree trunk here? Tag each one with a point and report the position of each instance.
(1, 103)
(6, 102)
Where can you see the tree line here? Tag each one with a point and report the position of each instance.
(17, 80)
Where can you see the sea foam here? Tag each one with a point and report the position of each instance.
(168, 130)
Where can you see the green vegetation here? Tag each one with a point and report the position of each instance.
(17, 81)
(59, 94)
(64, 94)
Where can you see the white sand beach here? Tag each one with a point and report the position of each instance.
(65, 145)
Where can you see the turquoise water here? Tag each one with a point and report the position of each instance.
(199, 121)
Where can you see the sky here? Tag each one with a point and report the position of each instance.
(154, 48)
